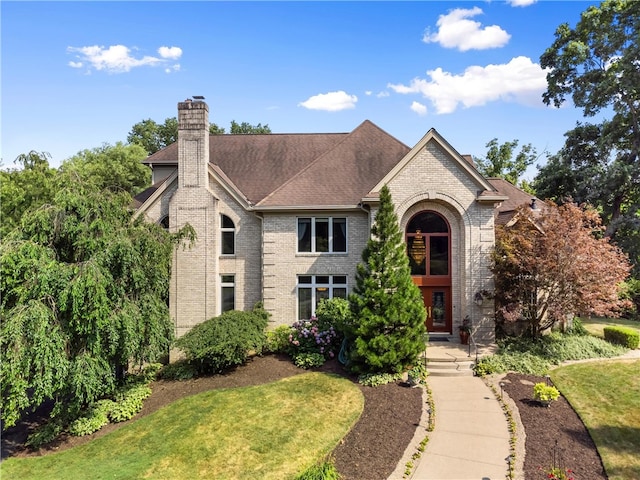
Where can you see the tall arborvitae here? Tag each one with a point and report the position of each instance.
(388, 311)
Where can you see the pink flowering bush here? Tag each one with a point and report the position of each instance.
(310, 336)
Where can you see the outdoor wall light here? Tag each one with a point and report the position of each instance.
(478, 298)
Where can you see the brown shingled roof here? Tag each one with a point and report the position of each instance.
(285, 170)
(516, 199)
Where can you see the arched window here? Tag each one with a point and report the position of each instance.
(227, 235)
(427, 239)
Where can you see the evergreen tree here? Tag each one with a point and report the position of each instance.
(388, 331)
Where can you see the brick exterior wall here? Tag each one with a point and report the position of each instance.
(266, 264)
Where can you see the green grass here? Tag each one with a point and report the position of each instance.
(595, 326)
(606, 395)
(272, 431)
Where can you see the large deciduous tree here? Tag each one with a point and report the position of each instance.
(83, 291)
(388, 311)
(556, 263)
(499, 161)
(596, 65)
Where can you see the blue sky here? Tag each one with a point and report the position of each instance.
(78, 74)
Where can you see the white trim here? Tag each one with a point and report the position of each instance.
(313, 286)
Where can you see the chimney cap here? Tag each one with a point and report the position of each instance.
(198, 97)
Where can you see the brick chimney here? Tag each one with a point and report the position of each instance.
(193, 143)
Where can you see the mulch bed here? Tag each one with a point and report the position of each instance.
(371, 451)
(544, 426)
(376, 444)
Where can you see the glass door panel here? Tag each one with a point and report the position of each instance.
(437, 303)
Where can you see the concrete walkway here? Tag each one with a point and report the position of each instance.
(471, 436)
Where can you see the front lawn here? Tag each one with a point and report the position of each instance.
(606, 395)
(272, 431)
(595, 326)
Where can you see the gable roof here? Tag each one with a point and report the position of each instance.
(299, 170)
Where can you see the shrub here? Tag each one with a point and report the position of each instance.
(377, 379)
(44, 434)
(128, 403)
(96, 418)
(225, 341)
(313, 336)
(335, 312)
(625, 336)
(323, 471)
(577, 328)
(545, 393)
(180, 370)
(308, 360)
(278, 339)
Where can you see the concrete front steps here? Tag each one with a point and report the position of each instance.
(449, 359)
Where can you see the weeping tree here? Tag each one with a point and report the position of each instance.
(83, 293)
(388, 330)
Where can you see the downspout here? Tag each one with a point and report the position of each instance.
(260, 217)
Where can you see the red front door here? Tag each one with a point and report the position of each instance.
(437, 303)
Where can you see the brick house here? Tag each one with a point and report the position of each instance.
(283, 218)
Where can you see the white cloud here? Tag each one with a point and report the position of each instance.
(521, 3)
(330, 102)
(383, 94)
(170, 52)
(172, 68)
(419, 108)
(119, 59)
(455, 30)
(368, 93)
(520, 80)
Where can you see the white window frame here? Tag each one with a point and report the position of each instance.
(224, 230)
(314, 285)
(330, 221)
(227, 284)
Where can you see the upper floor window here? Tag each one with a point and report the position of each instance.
(428, 244)
(227, 236)
(322, 234)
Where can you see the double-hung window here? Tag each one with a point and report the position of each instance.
(322, 234)
(313, 288)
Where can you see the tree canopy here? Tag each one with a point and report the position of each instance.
(388, 310)
(556, 263)
(153, 136)
(83, 290)
(499, 161)
(596, 65)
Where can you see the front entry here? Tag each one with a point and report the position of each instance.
(437, 303)
(428, 239)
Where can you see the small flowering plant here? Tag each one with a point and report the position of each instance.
(310, 336)
(557, 473)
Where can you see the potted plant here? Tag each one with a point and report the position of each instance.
(465, 331)
(545, 394)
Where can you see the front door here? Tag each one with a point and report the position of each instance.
(437, 303)
(428, 239)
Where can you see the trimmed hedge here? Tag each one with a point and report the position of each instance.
(225, 341)
(625, 336)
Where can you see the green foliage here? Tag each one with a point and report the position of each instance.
(308, 360)
(83, 288)
(535, 357)
(388, 311)
(44, 434)
(625, 336)
(278, 339)
(246, 128)
(320, 471)
(377, 379)
(314, 336)
(577, 328)
(96, 418)
(128, 402)
(335, 312)
(500, 163)
(180, 370)
(117, 168)
(545, 393)
(224, 341)
(631, 292)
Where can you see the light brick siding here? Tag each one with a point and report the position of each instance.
(282, 264)
(432, 180)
